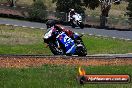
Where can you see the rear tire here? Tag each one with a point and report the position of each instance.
(81, 50)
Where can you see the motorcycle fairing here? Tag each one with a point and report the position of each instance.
(48, 34)
(67, 42)
(75, 35)
(77, 17)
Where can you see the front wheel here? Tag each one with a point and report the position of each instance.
(73, 25)
(81, 25)
(55, 50)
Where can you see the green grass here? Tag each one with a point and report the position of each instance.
(53, 76)
(24, 49)
(97, 45)
(17, 40)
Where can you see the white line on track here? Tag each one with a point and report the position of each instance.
(98, 35)
(24, 26)
(113, 37)
(16, 25)
(42, 28)
(128, 39)
(32, 27)
(122, 38)
(105, 36)
(91, 34)
(7, 24)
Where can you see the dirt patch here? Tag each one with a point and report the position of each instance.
(18, 62)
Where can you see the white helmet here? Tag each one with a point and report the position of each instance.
(72, 10)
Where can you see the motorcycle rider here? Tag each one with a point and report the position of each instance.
(53, 23)
(70, 15)
(57, 29)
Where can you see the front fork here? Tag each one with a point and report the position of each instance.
(58, 45)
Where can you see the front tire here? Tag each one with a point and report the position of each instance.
(73, 25)
(81, 25)
(55, 50)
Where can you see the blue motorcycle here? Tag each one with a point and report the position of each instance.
(61, 44)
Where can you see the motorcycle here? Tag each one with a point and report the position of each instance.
(61, 44)
(76, 21)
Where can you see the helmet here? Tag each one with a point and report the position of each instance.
(50, 23)
(72, 10)
(117, 2)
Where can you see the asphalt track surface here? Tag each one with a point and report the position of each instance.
(126, 35)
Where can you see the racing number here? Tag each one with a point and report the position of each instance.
(67, 41)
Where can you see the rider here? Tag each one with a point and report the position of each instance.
(70, 15)
(55, 24)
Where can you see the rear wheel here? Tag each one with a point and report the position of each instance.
(55, 50)
(81, 49)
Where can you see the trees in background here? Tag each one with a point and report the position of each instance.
(66, 5)
(79, 5)
(37, 12)
(105, 8)
(129, 12)
(39, 6)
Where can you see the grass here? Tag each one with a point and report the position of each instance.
(17, 40)
(97, 45)
(53, 76)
